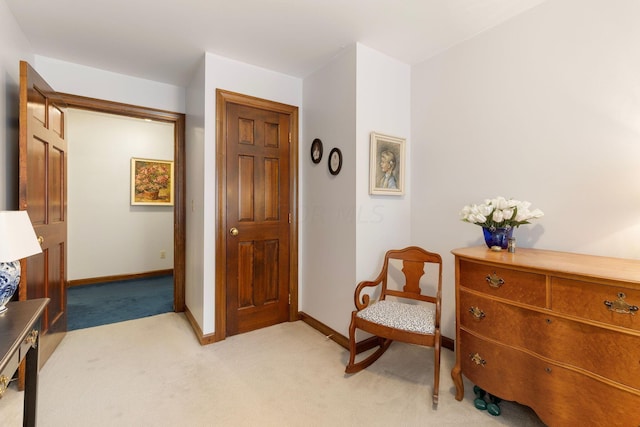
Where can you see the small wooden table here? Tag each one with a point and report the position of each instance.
(19, 338)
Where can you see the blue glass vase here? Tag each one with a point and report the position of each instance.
(497, 236)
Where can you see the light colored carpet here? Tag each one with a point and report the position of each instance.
(153, 372)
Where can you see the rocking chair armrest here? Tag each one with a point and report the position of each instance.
(438, 308)
(362, 300)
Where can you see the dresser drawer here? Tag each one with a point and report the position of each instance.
(584, 346)
(614, 355)
(560, 396)
(587, 300)
(514, 285)
(487, 317)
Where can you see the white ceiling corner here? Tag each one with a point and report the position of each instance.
(165, 40)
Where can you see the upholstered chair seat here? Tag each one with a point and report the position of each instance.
(416, 318)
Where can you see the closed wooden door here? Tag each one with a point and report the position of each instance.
(258, 213)
(43, 194)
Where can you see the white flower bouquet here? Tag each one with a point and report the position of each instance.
(500, 213)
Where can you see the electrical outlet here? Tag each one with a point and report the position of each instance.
(163, 254)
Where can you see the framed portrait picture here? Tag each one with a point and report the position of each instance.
(151, 182)
(387, 164)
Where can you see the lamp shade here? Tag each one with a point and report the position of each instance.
(17, 237)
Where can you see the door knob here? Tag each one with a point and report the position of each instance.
(234, 231)
(40, 240)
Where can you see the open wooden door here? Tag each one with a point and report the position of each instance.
(43, 194)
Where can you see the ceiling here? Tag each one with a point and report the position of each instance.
(164, 40)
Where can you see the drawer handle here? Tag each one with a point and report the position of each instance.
(4, 383)
(32, 338)
(494, 280)
(477, 313)
(621, 306)
(477, 359)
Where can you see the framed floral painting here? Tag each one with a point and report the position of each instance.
(151, 182)
(386, 168)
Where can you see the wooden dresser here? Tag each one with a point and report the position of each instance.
(556, 331)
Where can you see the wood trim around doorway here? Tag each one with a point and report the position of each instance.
(222, 98)
(179, 208)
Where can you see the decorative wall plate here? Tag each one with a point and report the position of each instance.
(335, 161)
(316, 151)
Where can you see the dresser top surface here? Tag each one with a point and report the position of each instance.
(589, 266)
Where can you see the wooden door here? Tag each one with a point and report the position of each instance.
(43, 194)
(258, 209)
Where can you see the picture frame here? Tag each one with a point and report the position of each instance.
(335, 161)
(316, 151)
(152, 182)
(387, 165)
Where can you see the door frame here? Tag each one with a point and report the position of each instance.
(223, 97)
(179, 207)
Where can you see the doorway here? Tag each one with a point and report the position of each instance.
(179, 212)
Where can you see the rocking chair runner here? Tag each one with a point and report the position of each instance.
(407, 320)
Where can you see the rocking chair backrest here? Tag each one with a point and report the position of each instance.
(413, 261)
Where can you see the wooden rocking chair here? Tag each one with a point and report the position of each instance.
(405, 318)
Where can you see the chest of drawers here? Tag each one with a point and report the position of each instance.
(555, 331)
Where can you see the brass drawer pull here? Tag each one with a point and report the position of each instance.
(475, 358)
(32, 338)
(621, 306)
(4, 383)
(494, 280)
(477, 313)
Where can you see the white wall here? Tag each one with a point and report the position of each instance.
(106, 234)
(13, 48)
(76, 79)
(328, 206)
(195, 160)
(346, 231)
(383, 104)
(545, 108)
(242, 78)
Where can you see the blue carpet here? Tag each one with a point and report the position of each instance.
(104, 303)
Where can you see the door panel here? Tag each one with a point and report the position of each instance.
(43, 165)
(55, 198)
(258, 205)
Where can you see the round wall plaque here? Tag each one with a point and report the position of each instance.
(316, 151)
(335, 161)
